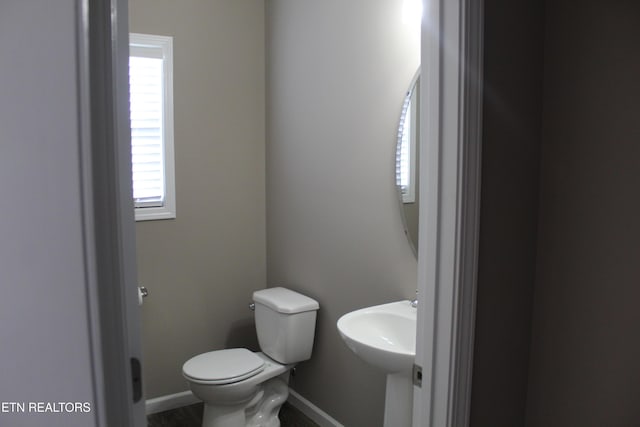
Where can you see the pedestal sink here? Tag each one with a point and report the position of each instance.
(384, 336)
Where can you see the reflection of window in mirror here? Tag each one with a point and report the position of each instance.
(151, 103)
(407, 158)
(407, 163)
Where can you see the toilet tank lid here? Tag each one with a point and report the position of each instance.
(285, 300)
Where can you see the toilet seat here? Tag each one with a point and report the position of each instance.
(223, 366)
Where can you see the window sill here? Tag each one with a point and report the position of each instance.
(152, 214)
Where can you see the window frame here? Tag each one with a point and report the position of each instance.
(149, 45)
(406, 143)
(410, 123)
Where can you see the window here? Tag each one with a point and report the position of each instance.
(407, 160)
(406, 150)
(151, 104)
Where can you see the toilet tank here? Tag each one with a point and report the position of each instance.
(285, 324)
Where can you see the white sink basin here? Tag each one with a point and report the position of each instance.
(384, 335)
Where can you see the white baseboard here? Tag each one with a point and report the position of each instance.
(316, 414)
(170, 401)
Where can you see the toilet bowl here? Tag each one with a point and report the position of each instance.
(241, 388)
(254, 391)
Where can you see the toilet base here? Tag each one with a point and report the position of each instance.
(261, 411)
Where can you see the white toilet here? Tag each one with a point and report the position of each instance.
(245, 389)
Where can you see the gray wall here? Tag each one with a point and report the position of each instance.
(337, 75)
(585, 347)
(556, 336)
(202, 267)
(44, 331)
(512, 108)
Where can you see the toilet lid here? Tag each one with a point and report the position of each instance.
(223, 366)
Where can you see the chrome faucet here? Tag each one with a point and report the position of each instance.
(414, 302)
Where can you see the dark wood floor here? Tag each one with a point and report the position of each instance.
(191, 416)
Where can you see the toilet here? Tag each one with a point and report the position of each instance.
(241, 388)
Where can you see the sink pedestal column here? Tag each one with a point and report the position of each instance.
(398, 405)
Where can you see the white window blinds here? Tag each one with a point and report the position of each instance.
(145, 80)
(405, 153)
(151, 106)
(406, 150)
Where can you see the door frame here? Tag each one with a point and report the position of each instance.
(103, 49)
(451, 108)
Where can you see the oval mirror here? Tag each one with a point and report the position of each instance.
(407, 165)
